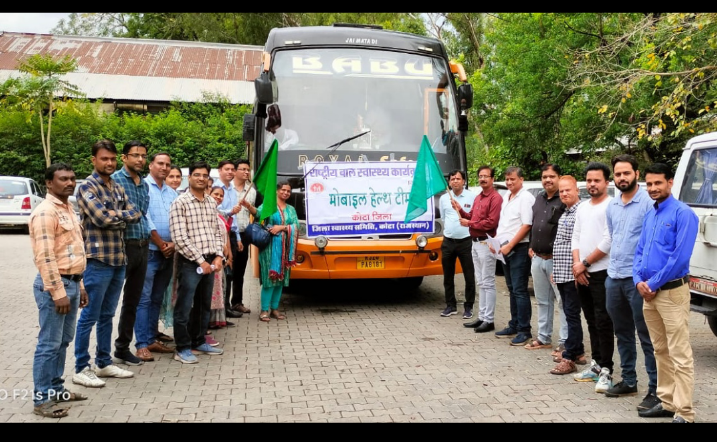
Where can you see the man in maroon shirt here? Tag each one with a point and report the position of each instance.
(483, 221)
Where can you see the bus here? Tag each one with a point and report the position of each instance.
(321, 86)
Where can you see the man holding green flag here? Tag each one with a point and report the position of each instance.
(428, 180)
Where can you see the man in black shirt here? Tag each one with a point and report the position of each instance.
(546, 212)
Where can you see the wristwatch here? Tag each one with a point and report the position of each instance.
(586, 263)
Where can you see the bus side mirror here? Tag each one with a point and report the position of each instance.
(465, 96)
(248, 127)
(264, 88)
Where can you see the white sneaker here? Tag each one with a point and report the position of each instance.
(87, 378)
(113, 371)
(604, 383)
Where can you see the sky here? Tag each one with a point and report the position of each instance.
(34, 23)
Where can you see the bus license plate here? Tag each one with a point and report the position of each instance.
(369, 262)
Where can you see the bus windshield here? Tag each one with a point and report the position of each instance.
(325, 95)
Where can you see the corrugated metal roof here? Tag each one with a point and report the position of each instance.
(140, 69)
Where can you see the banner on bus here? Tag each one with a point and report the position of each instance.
(362, 198)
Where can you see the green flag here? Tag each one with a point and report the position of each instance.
(265, 182)
(428, 180)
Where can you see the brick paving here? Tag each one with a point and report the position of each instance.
(347, 352)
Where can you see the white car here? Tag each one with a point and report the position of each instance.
(19, 196)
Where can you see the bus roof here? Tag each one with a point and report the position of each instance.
(347, 35)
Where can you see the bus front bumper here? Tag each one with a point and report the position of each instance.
(358, 259)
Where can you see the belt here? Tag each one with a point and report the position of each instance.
(544, 255)
(669, 285)
(210, 257)
(76, 278)
(457, 239)
(480, 238)
(137, 242)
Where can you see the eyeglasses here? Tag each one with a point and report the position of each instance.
(484, 177)
(200, 175)
(137, 155)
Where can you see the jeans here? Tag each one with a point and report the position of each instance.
(484, 265)
(238, 270)
(517, 270)
(156, 281)
(194, 304)
(592, 300)
(545, 294)
(624, 305)
(135, 273)
(571, 306)
(452, 249)
(56, 333)
(103, 284)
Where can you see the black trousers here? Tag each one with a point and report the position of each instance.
(461, 249)
(593, 302)
(137, 256)
(238, 270)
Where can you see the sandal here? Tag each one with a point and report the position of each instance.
(264, 316)
(276, 315)
(51, 409)
(536, 344)
(68, 396)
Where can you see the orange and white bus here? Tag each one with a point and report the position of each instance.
(321, 85)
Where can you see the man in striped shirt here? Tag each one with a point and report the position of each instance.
(563, 277)
(105, 211)
(56, 239)
(198, 239)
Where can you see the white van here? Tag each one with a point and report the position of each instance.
(695, 185)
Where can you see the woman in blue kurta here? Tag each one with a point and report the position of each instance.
(276, 260)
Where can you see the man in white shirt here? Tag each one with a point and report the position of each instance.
(457, 244)
(516, 219)
(591, 247)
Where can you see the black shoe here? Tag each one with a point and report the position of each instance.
(230, 324)
(485, 327)
(473, 324)
(656, 411)
(126, 357)
(233, 313)
(506, 333)
(648, 402)
(680, 420)
(521, 339)
(621, 389)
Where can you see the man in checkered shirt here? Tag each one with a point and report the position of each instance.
(564, 279)
(105, 211)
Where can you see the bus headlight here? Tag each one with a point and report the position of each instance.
(321, 242)
(421, 241)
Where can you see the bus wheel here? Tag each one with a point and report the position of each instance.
(414, 282)
(712, 321)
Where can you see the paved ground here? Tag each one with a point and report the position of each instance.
(348, 352)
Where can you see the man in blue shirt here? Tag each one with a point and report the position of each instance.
(625, 215)
(457, 244)
(159, 260)
(660, 273)
(136, 240)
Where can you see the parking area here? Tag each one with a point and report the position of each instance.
(348, 352)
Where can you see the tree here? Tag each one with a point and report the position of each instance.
(37, 92)
(653, 81)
